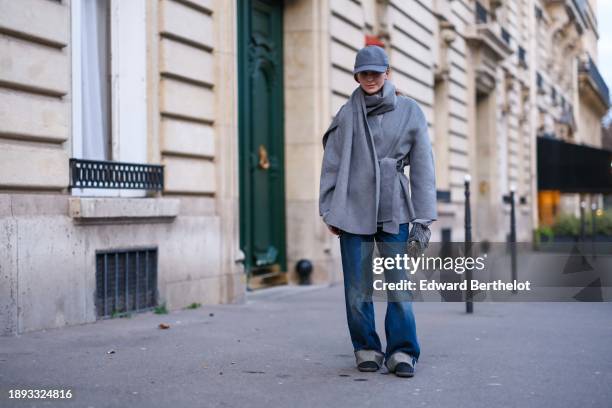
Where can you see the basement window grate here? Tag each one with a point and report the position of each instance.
(126, 281)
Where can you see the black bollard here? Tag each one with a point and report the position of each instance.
(594, 228)
(304, 269)
(509, 199)
(582, 221)
(469, 304)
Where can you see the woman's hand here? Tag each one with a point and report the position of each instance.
(334, 230)
(418, 239)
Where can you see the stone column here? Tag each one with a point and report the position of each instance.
(307, 99)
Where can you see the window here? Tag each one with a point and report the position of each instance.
(538, 13)
(109, 84)
(481, 13)
(522, 56)
(505, 36)
(540, 83)
(93, 83)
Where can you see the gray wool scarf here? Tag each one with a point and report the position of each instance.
(363, 168)
(377, 104)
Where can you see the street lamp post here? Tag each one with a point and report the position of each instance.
(509, 199)
(469, 304)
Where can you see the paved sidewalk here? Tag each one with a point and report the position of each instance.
(289, 347)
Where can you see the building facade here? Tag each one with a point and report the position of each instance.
(169, 152)
(571, 99)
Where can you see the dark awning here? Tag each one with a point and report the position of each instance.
(573, 168)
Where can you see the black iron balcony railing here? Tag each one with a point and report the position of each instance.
(482, 14)
(590, 68)
(109, 174)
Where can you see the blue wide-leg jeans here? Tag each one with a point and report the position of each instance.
(400, 324)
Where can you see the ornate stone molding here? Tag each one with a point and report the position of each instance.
(447, 36)
(489, 51)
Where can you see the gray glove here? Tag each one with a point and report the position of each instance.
(418, 239)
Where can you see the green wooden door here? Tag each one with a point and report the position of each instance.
(262, 198)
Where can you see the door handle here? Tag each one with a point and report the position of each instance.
(264, 163)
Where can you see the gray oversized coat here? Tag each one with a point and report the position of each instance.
(362, 180)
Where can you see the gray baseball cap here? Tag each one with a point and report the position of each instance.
(371, 58)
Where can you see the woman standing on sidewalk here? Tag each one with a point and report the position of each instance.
(364, 198)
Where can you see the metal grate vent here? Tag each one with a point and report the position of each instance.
(126, 281)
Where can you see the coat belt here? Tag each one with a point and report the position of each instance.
(390, 170)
